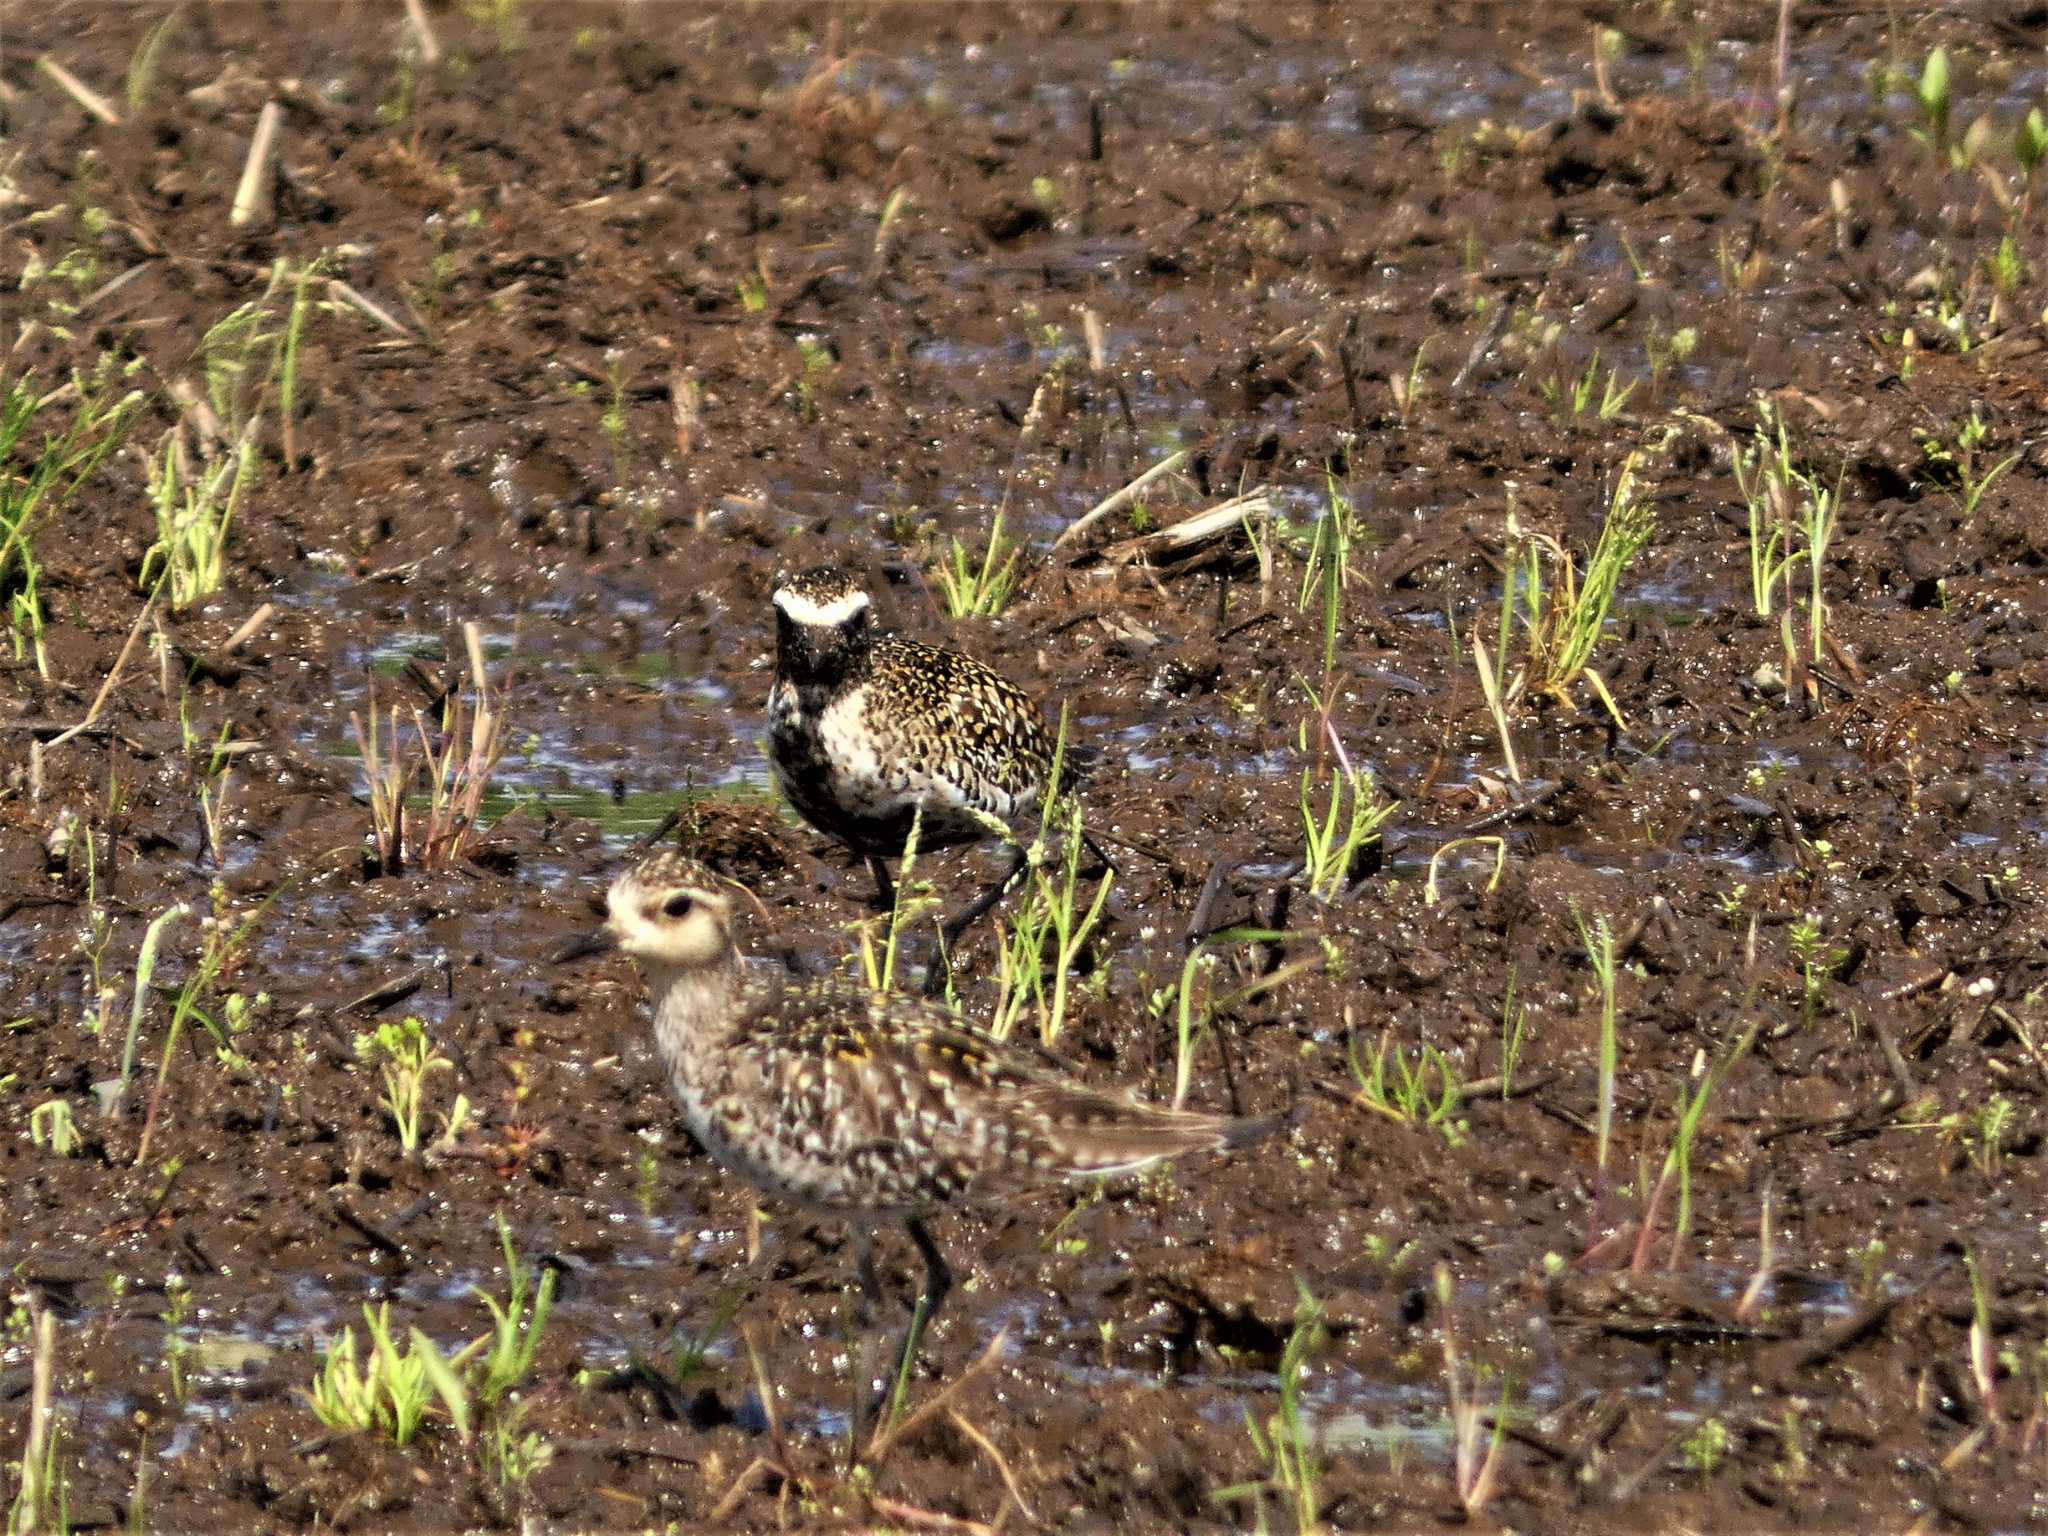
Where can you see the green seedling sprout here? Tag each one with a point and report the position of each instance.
(1931, 95)
(407, 1058)
(1328, 571)
(145, 969)
(2029, 148)
(1512, 1020)
(1050, 914)
(1707, 1447)
(1348, 821)
(50, 1125)
(39, 476)
(878, 967)
(1597, 939)
(1476, 1450)
(1678, 1159)
(981, 589)
(1193, 1020)
(1407, 1095)
(194, 514)
(516, 1326)
(1287, 1443)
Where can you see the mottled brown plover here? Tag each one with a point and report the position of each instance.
(871, 1108)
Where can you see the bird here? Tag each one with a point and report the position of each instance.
(875, 1109)
(868, 732)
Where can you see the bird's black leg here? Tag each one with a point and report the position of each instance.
(938, 1282)
(957, 925)
(871, 1293)
(866, 1310)
(885, 888)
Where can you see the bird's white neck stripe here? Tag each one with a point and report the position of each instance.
(803, 610)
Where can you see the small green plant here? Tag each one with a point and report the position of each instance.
(1606, 398)
(2006, 267)
(194, 514)
(1051, 929)
(50, 1125)
(145, 970)
(878, 939)
(1597, 939)
(355, 1397)
(647, 1171)
(510, 1451)
(516, 1325)
(1287, 1443)
(1337, 830)
(143, 61)
(1792, 521)
(1983, 1359)
(2029, 147)
(1513, 1017)
(1678, 1159)
(1817, 963)
(689, 1353)
(1707, 1447)
(40, 473)
(390, 1392)
(177, 1308)
(1931, 95)
(1663, 353)
(455, 772)
(815, 365)
(506, 20)
(1561, 611)
(407, 1058)
(1194, 1019)
(1986, 1127)
(613, 420)
(1426, 1091)
(1955, 460)
(974, 589)
(1476, 1448)
(1328, 569)
(393, 1390)
(42, 1500)
(753, 292)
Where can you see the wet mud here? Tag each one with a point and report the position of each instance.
(641, 305)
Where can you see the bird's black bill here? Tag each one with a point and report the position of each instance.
(595, 942)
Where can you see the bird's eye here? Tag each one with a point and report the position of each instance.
(679, 904)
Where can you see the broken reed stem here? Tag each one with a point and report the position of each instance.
(960, 1422)
(375, 311)
(886, 1438)
(1115, 499)
(423, 29)
(253, 199)
(99, 701)
(91, 100)
(29, 1501)
(251, 628)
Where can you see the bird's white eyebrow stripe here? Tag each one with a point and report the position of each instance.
(803, 610)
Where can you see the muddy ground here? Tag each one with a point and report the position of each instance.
(660, 301)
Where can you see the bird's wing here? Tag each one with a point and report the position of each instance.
(950, 706)
(900, 1074)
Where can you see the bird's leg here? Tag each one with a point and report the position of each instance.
(865, 1401)
(871, 1293)
(957, 925)
(885, 888)
(938, 1281)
